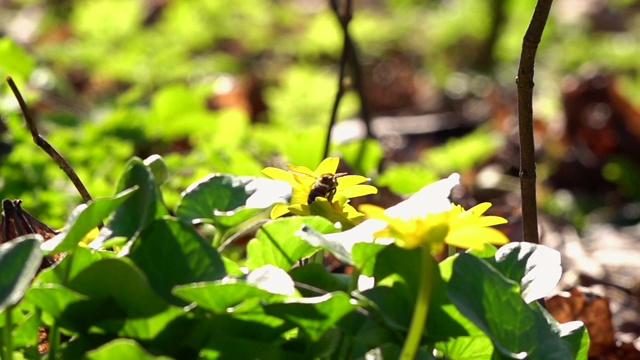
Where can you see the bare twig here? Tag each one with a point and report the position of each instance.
(44, 145)
(486, 60)
(341, 80)
(349, 58)
(525, 84)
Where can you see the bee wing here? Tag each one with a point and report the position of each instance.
(301, 170)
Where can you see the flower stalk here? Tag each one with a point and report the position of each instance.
(8, 325)
(421, 308)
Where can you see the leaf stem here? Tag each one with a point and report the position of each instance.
(421, 309)
(353, 282)
(54, 340)
(318, 257)
(6, 333)
(219, 236)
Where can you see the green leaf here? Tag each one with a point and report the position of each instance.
(217, 332)
(120, 280)
(83, 219)
(24, 326)
(391, 306)
(366, 332)
(340, 248)
(494, 304)
(365, 255)
(142, 328)
(314, 315)
(122, 349)
(478, 347)
(139, 209)
(272, 279)
(20, 259)
(70, 266)
(227, 200)
(466, 337)
(395, 293)
(317, 276)
(53, 299)
(276, 243)
(14, 60)
(158, 168)
(220, 296)
(245, 348)
(536, 267)
(488, 251)
(172, 253)
(576, 335)
(231, 267)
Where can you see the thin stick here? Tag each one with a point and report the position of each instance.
(350, 58)
(341, 79)
(44, 145)
(524, 81)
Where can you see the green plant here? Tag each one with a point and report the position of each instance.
(151, 285)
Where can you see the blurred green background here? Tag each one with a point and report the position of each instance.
(233, 86)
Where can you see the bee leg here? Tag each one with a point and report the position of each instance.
(330, 195)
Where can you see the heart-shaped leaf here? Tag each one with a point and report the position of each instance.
(314, 315)
(220, 296)
(20, 259)
(276, 243)
(53, 298)
(493, 303)
(139, 209)
(119, 279)
(340, 249)
(122, 349)
(227, 200)
(83, 219)
(70, 266)
(172, 253)
(536, 267)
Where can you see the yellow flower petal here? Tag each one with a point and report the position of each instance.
(300, 209)
(475, 237)
(353, 214)
(350, 180)
(279, 210)
(278, 174)
(479, 209)
(490, 221)
(358, 190)
(373, 211)
(327, 166)
(303, 180)
(299, 197)
(301, 170)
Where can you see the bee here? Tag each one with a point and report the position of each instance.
(325, 186)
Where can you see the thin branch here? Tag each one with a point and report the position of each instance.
(44, 145)
(341, 80)
(349, 58)
(486, 59)
(525, 85)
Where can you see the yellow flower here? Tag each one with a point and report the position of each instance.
(311, 197)
(428, 217)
